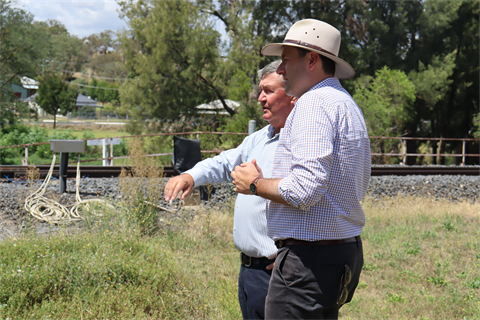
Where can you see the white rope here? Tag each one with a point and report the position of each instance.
(51, 211)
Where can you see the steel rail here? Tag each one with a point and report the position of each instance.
(15, 172)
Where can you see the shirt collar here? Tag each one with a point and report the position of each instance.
(271, 132)
(329, 82)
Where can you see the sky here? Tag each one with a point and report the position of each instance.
(81, 17)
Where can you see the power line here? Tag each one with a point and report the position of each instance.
(84, 85)
(85, 74)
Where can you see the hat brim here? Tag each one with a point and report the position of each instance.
(343, 70)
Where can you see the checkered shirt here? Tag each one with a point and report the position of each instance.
(324, 159)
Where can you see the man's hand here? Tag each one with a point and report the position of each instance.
(179, 183)
(244, 175)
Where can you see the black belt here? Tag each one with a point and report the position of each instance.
(295, 242)
(247, 261)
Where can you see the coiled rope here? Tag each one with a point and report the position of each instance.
(51, 211)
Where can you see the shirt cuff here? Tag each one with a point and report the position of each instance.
(197, 175)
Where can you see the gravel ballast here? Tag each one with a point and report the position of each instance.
(12, 195)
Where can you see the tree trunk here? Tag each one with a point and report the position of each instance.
(54, 120)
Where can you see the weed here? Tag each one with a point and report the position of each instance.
(141, 189)
(474, 284)
(438, 281)
(448, 225)
(429, 234)
(396, 298)
(369, 267)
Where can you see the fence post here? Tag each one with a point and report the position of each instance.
(111, 152)
(25, 161)
(404, 143)
(252, 125)
(105, 152)
(463, 152)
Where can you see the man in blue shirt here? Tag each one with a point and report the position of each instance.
(250, 224)
(322, 168)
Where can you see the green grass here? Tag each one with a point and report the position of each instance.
(422, 261)
(112, 271)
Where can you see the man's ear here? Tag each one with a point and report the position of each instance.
(294, 99)
(313, 60)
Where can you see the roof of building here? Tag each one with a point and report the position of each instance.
(216, 107)
(28, 83)
(81, 100)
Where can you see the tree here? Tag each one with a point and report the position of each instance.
(66, 53)
(92, 89)
(100, 92)
(449, 31)
(387, 104)
(22, 43)
(56, 96)
(172, 49)
(22, 47)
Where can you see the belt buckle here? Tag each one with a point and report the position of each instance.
(249, 259)
(249, 263)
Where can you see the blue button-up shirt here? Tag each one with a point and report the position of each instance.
(250, 223)
(323, 156)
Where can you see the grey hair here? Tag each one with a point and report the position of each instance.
(268, 69)
(265, 71)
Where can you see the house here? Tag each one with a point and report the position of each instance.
(83, 102)
(216, 107)
(28, 88)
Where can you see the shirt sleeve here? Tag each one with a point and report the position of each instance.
(218, 168)
(311, 140)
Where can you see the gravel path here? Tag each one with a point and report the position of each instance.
(12, 195)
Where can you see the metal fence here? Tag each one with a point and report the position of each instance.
(404, 153)
(108, 160)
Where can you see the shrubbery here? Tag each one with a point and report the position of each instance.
(21, 134)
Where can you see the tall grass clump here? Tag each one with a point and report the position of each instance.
(141, 188)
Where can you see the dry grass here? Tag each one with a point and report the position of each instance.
(141, 188)
(422, 261)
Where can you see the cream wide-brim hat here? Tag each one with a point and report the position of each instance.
(316, 36)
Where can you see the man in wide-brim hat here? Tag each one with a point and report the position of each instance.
(321, 172)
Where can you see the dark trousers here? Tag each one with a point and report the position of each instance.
(252, 290)
(307, 281)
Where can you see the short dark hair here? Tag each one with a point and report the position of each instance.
(328, 65)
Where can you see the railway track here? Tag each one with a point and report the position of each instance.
(15, 173)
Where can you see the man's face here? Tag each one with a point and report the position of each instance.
(294, 71)
(276, 105)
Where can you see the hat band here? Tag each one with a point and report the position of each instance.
(308, 45)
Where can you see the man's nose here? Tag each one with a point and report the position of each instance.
(262, 96)
(281, 68)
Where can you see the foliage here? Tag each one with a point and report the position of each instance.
(476, 123)
(56, 96)
(22, 46)
(173, 51)
(100, 93)
(20, 134)
(386, 102)
(92, 90)
(22, 43)
(66, 52)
